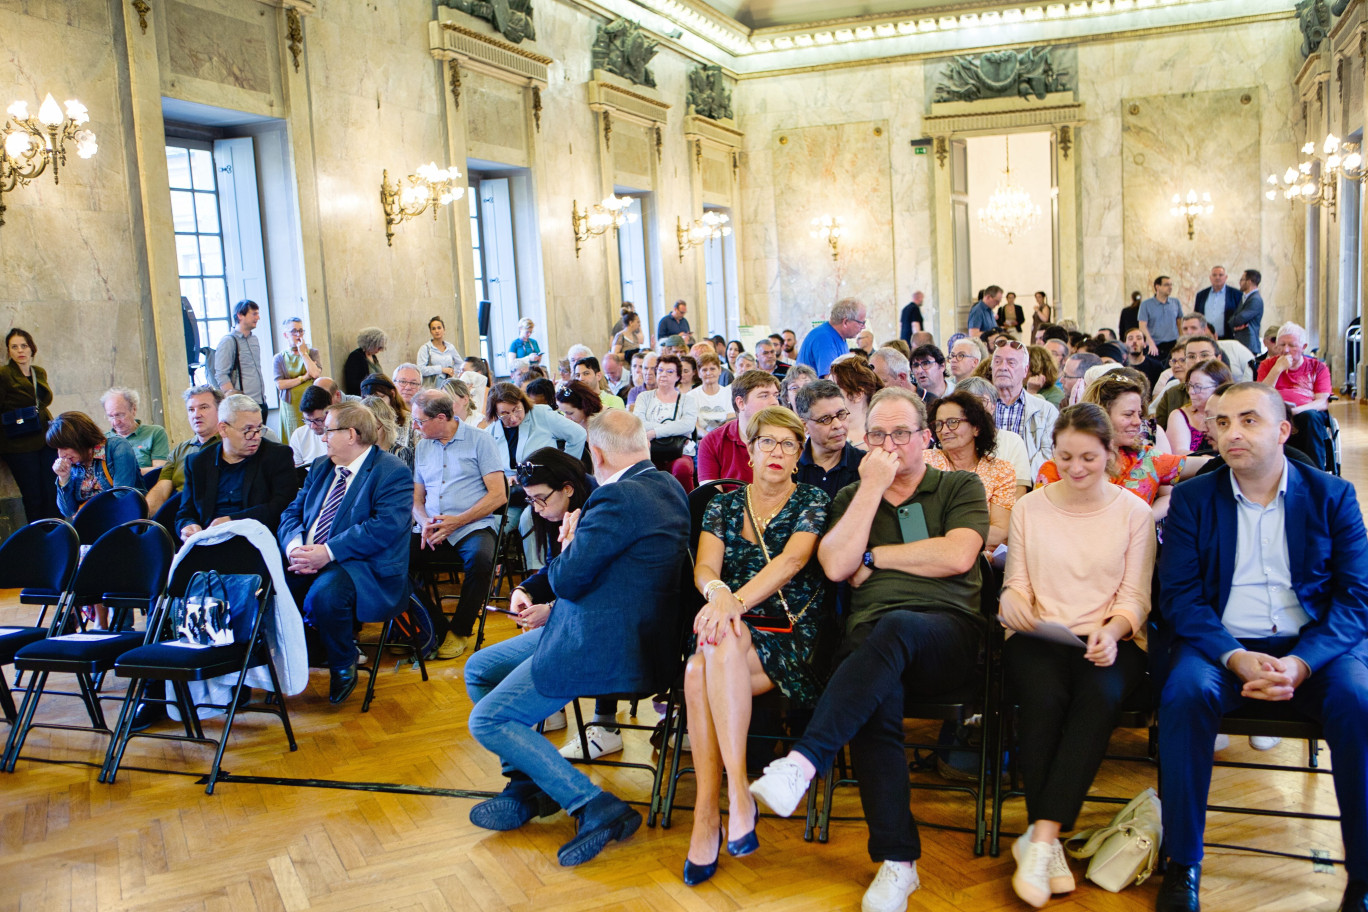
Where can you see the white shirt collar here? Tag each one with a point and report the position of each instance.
(616, 476)
(355, 466)
(1240, 495)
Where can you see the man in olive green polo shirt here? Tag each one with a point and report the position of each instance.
(201, 407)
(908, 538)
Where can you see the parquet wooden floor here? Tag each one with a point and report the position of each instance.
(155, 841)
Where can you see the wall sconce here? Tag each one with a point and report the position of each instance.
(829, 228)
(1190, 208)
(598, 218)
(1336, 159)
(430, 186)
(30, 144)
(711, 227)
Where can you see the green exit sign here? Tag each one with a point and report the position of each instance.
(919, 150)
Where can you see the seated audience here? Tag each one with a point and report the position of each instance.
(343, 537)
(864, 342)
(542, 392)
(1076, 368)
(87, 462)
(614, 377)
(1043, 374)
(1017, 410)
(735, 348)
(725, 452)
(587, 371)
(828, 461)
(964, 429)
(767, 358)
(307, 442)
(858, 384)
(688, 379)
(201, 408)
(712, 399)
(239, 477)
(457, 487)
(914, 628)
(893, 369)
(643, 376)
(928, 372)
(669, 419)
(407, 381)
(364, 360)
(1262, 583)
(579, 402)
(402, 418)
(1138, 357)
(149, 441)
(1009, 446)
(767, 602)
(1304, 383)
(1069, 699)
(744, 362)
(1196, 350)
(556, 486)
(630, 537)
(1187, 426)
(519, 427)
(965, 356)
(387, 430)
(798, 376)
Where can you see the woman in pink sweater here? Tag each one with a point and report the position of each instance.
(1069, 695)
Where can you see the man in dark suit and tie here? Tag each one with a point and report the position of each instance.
(1263, 579)
(346, 539)
(1218, 302)
(239, 477)
(613, 628)
(1245, 321)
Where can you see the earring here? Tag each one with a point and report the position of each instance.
(751, 463)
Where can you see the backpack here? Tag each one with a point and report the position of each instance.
(413, 626)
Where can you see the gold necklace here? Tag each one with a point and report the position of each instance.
(763, 524)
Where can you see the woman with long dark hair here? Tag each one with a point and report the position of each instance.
(24, 400)
(555, 484)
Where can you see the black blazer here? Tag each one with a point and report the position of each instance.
(1232, 297)
(268, 486)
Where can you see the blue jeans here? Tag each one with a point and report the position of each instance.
(507, 706)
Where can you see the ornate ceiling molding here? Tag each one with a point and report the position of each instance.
(620, 98)
(449, 40)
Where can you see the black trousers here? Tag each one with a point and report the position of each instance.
(327, 599)
(37, 485)
(1067, 711)
(907, 652)
(474, 554)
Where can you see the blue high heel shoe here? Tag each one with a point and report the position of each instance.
(695, 874)
(740, 848)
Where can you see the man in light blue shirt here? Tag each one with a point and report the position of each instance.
(824, 344)
(458, 484)
(1159, 316)
(981, 318)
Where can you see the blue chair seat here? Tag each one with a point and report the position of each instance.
(39, 596)
(90, 653)
(13, 639)
(167, 661)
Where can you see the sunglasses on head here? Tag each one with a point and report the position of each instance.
(1002, 342)
(524, 472)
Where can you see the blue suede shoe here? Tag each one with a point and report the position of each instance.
(695, 874)
(747, 844)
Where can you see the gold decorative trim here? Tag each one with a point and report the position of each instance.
(455, 83)
(295, 29)
(143, 8)
(698, 155)
(1065, 140)
(536, 107)
(715, 131)
(607, 128)
(736, 165)
(606, 94)
(501, 45)
(942, 150)
(998, 120)
(660, 144)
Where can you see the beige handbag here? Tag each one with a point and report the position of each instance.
(1125, 851)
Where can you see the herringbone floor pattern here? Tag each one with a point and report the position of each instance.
(155, 841)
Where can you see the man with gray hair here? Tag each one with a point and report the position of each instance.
(201, 408)
(149, 441)
(1304, 384)
(825, 343)
(893, 369)
(828, 461)
(965, 355)
(584, 639)
(239, 477)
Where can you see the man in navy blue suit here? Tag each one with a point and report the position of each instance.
(613, 628)
(1263, 584)
(346, 540)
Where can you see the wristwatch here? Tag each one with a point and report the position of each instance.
(868, 560)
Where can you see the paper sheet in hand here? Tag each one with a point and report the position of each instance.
(1056, 633)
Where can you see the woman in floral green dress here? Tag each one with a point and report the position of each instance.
(767, 604)
(296, 368)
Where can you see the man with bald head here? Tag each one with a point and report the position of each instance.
(1264, 582)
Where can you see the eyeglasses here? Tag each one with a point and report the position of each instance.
(926, 364)
(853, 320)
(524, 472)
(825, 420)
(767, 445)
(328, 432)
(949, 424)
(250, 431)
(1200, 387)
(1002, 342)
(900, 436)
(315, 422)
(408, 383)
(540, 499)
(964, 356)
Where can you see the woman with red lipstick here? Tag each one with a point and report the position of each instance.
(1069, 695)
(767, 602)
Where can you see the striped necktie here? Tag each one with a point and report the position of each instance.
(325, 519)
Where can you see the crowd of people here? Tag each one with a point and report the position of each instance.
(881, 488)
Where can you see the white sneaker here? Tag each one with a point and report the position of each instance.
(781, 787)
(1222, 742)
(892, 885)
(554, 722)
(1060, 874)
(1032, 878)
(1263, 742)
(601, 743)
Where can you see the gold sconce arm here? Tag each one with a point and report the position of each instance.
(29, 144)
(429, 187)
(597, 219)
(712, 226)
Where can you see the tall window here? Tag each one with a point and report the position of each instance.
(496, 267)
(631, 239)
(199, 236)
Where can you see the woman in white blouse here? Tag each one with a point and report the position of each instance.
(670, 418)
(438, 359)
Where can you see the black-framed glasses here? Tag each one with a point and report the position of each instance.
(767, 445)
(250, 432)
(525, 470)
(900, 436)
(328, 432)
(539, 500)
(926, 363)
(949, 424)
(825, 420)
(314, 422)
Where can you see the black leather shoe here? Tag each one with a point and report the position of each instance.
(604, 819)
(1178, 892)
(695, 874)
(146, 715)
(520, 801)
(1355, 897)
(341, 682)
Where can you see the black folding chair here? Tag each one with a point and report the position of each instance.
(39, 560)
(106, 510)
(126, 570)
(372, 666)
(162, 660)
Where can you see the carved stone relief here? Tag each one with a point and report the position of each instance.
(1003, 73)
(623, 49)
(708, 92)
(512, 18)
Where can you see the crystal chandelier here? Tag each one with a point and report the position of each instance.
(1009, 212)
(1336, 159)
(430, 187)
(31, 144)
(609, 215)
(711, 227)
